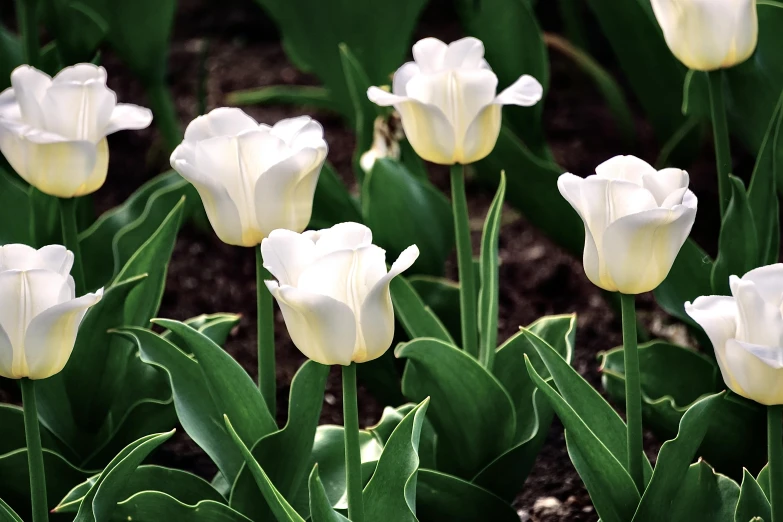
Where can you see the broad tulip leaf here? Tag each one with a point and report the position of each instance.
(281, 509)
(705, 496)
(391, 492)
(442, 297)
(762, 196)
(674, 459)
(738, 249)
(294, 441)
(321, 509)
(489, 289)
(99, 502)
(471, 412)
(416, 317)
(155, 505)
(14, 204)
(196, 409)
(44, 218)
(215, 326)
(9, 515)
(392, 417)
(10, 56)
(610, 486)
(446, 497)
(753, 502)
(396, 205)
(78, 29)
(113, 239)
(297, 95)
(232, 389)
(332, 202)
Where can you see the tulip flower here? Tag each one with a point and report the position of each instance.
(746, 331)
(39, 313)
(333, 288)
(446, 99)
(706, 35)
(636, 220)
(53, 130)
(252, 178)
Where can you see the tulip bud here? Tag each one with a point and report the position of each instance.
(636, 220)
(53, 130)
(252, 178)
(708, 34)
(39, 314)
(446, 99)
(746, 331)
(333, 289)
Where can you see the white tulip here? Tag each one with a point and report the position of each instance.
(53, 130)
(636, 220)
(333, 288)
(746, 331)
(252, 178)
(708, 34)
(446, 99)
(39, 312)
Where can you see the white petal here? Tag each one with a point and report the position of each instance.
(757, 371)
(78, 111)
(342, 236)
(56, 258)
(290, 128)
(401, 78)
(6, 356)
(769, 282)
(81, 73)
(224, 121)
(429, 132)
(51, 335)
(286, 255)
(429, 54)
(127, 116)
(466, 53)
(481, 136)
(526, 92)
(760, 321)
(625, 168)
(322, 328)
(377, 312)
(667, 186)
(30, 86)
(639, 249)
(384, 98)
(717, 315)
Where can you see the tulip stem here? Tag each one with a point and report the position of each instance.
(34, 452)
(775, 445)
(353, 457)
(70, 233)
(165, 114)
(267, 377)
(27, 20)
(467, 282)
(633, 392)
(720, 132)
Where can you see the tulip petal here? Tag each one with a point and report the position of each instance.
(639, 249)
(668, 186)
(98, 176)
(223, 121)
(377, 313)
(299, 132)
(429, 54)
(341, 236)
(286, 255)
(81, 73)
(322, 328)
(757, 371)
(429, 131)
(30, 86)
(127, 116)
(481, 135)
(526, 92)
(465, 53)
(6, 356)
(769, 282)
(625, 168)
(401, 78)
(56, 258)
(760, 320)
(717, 315)
(384, 98)
(78, 111)
(51, 335)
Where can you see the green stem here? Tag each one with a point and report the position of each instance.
(34, 452)
(467, 283)
(70, 235)
(353, 457)
(720, 132)
(267, 377)
(633, 392)
(775, 445)
(165, 114)
(27, 20)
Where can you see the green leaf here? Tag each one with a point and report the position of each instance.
(9, 515)
(10, 56)
(99, 502)
(193, 401)
(738, 250)
(280, 507)
(14, 203)
(297, 95)
(611, 488)
(471, 412)
(43, 213)
(232, 389)
(320, 508)
(488, 293)
(762, 196)
(395, 204)
(705, 496)
(753, 501)
(78, 29)
(416, 317)
(674, 460)
(332, 202)
(688, 279)
(442, 296)
(295, 441)
(155, 505)
(215, 326)
(446, 497)
(391, 492)
(391, 418)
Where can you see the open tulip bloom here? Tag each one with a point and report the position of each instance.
(53, 130)
(447, 100)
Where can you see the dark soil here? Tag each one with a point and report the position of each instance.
(536, 278)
